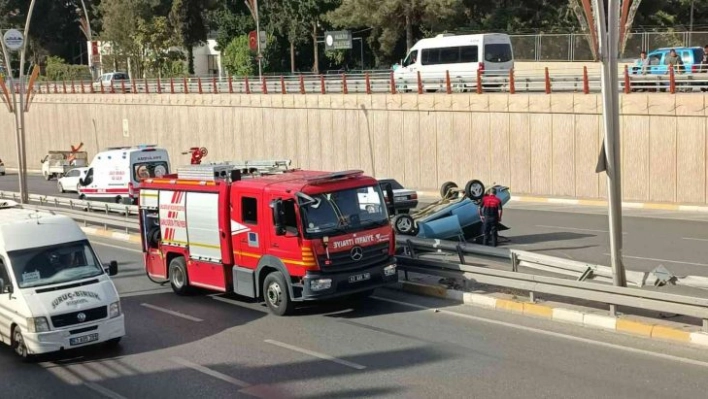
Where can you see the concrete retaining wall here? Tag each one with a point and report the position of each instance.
(544, 145)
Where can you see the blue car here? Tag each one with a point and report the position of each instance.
(691, 57)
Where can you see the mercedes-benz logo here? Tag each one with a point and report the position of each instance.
(81, 317)
(357, 253)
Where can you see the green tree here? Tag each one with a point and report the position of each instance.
(155, 39)
(188, 19)
(239, 60)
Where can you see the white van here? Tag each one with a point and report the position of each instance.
(116, 172)
(55, 294)
(461, 56)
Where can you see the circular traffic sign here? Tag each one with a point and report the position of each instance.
(14, 40)
(330, 40)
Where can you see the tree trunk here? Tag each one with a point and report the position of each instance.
(409, 30)
(292, 57)
(316, 65)
(190, 57)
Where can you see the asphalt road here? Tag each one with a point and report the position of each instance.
(676, 240)
(393, 345)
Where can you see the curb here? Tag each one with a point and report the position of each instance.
(114, 235)
(598, 202)
(588, 320)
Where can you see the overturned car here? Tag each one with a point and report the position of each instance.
(454, 217)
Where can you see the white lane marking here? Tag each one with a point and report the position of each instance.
(103, 390)
(316, 354)
(137, 251)
(573, 228)
(227, 300)
(695, 239)
(678, 262)
(552, 334)
(171, 312)
(210, 372)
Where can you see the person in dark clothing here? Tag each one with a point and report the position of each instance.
(490, 211)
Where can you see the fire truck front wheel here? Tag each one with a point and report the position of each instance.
(275, 294)
(178, 276)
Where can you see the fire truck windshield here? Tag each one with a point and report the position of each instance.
(344, 211)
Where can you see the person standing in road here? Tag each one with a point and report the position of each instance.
(490, 211)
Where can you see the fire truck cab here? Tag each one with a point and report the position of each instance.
(263, 230)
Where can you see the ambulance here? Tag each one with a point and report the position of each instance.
(55, 294)
(115, 173)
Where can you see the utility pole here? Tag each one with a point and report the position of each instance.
(90, 37)
(20, 106)
(608, 32)
(316, 66)
(253, 8)
(690, 29)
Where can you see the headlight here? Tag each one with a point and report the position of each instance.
(321, 284)
(389, 270)
(114, 310)
(37, 324)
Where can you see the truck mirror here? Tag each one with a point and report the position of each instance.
(113, 268)
(387, 188)
(278, 221)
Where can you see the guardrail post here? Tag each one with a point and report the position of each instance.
(147, 86)
(248, 85)
(672, 80)
(73, 88)
(231, 85)
(548, 82)
(282, 85)
(199, 85)
(302, 84)
(420, 83)
(186, 86)
(214, 86)
(265, 85)
(82, 87)
(122, 86)
(323, 89)
(345, 89)
(393, 84)
(133, 84)
(172, 86)
(586, 81)
(367, 80)
(512, 81)
(448, 84)
(56, 89)
(63, 83)
(103, 90)
(514, 262)
(159, 85)
(113, 88)
(479, 82)
(627, 82)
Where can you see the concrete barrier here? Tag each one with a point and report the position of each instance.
(540, 145)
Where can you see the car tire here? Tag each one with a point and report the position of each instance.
(47, 177)
(179, 280)
(18, 344)
(446, 188)
(2, 173)
(405, 225)
(276, 296)
(113, 343)
(60, 187)
(474, 190)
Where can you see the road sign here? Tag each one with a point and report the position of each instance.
(338, 40)
(14, 40)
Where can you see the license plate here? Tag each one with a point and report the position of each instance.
(359, 277)
(83, 340)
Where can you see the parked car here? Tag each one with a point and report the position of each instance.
(691, 57)
(115, 78)
(70, 181)
(2, 168)
(403, 199)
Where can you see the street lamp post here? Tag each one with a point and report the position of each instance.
(90, 37)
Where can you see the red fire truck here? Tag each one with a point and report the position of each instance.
(263, 230)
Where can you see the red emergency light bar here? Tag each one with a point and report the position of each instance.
(347, 174)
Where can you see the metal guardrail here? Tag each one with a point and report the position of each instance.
(73, 204)
(573, 80)
(607, 294)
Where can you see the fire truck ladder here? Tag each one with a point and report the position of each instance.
(222, 170)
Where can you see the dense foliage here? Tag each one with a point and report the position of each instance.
(148, 35)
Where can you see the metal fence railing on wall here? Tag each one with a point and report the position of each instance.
(576, 47)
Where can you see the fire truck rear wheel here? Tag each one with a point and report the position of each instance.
(178, 276)
(275, 294)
